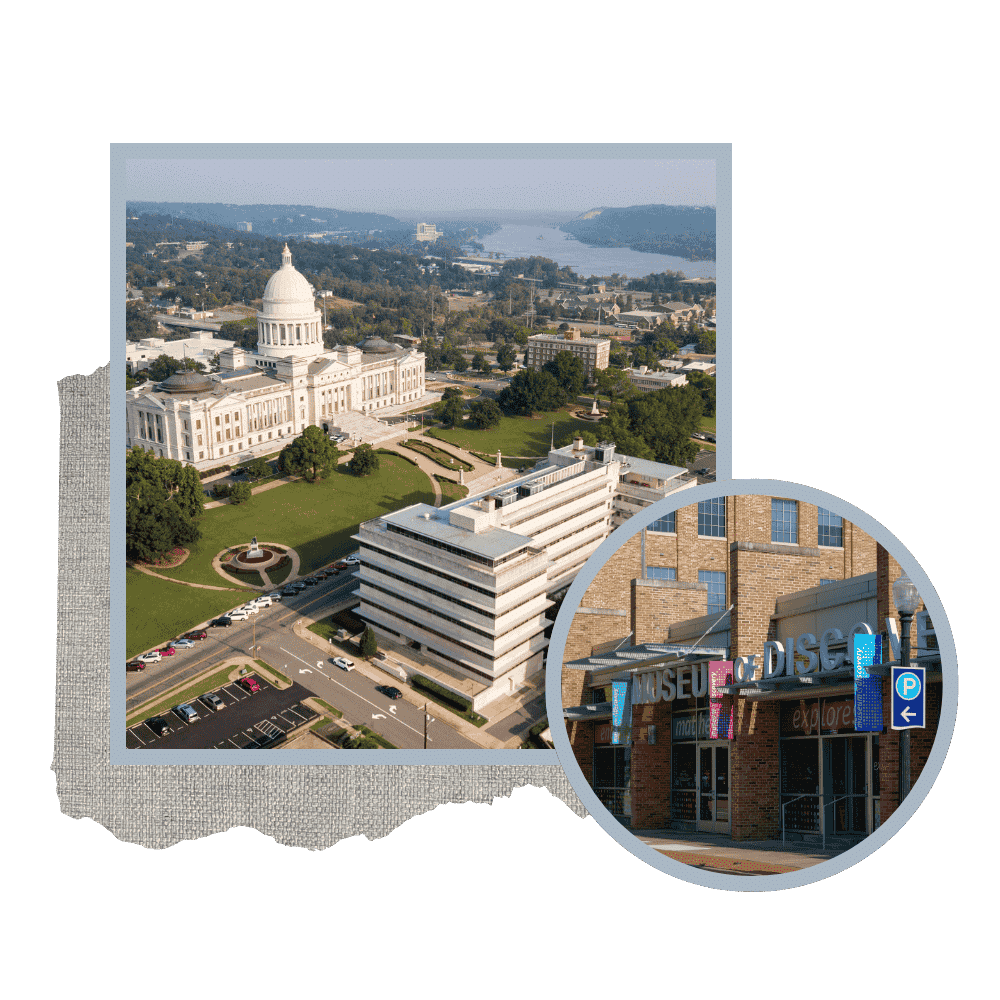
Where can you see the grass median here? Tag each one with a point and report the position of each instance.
(184, 696)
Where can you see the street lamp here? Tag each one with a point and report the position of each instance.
(907, 601)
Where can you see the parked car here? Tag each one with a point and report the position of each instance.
(352, 561)
(249, 684)
(152, 656)
(250, 609)
(261, 602)
(389, 692)
(195, 635)
(290, 592)
(297, 585)
(213, 701)
(167, 651)
(187, 713)
(182, 644)
(322, 574)
(223, 622)
(341, 565)
(342, 662)
(135, 665)
(159, 725)
(275, 595)
(238, 616)
(310, 581)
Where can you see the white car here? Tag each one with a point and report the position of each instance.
(261, 602)
(251, 609)
(238, 616)
(352, 561)
(151, 657)
(341, 662)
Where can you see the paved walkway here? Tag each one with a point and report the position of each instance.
(170, 579)
(293, 573)
(717, 852)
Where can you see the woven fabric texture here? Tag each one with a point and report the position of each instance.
(310, 806)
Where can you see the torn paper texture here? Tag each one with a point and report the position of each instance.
(157, 805)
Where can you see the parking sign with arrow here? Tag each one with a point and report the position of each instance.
(908, 697)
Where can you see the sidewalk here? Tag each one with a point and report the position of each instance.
(717, 852)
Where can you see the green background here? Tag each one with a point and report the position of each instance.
(861, 367)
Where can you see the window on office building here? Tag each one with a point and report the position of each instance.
(784, 521)
(823, 583)
(667, 524)
(716, 590)
(831, 528)
(662, 572)
(712, 518)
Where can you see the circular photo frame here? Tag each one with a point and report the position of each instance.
(758, 685)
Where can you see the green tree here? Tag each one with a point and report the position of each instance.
(460, 363)
(311, 455)
(240, 493)
(258, 469)
(163, 367)
(506, 356)
(569, 371)
(139, 321)
(480, 363)
(163, 499)
(612, 382)
(450, 409)
(485, 413)
(705, 384)
(706, 342)
(531, 392)
(656, 425)
(369, 644)
(364, 460)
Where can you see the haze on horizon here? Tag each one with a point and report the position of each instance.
(409, 188)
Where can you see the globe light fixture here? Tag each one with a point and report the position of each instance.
(905, 595)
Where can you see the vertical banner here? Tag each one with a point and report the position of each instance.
(721, 707)
(621, 713)
(866, 651)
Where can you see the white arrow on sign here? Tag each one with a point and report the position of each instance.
(908, 714)
(379, 716)
(304, 670)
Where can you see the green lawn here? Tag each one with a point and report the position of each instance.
(451, 491)
(157, 611)
(438, 455)
(280, 573)
(707, 424)
(315, 519)
(517, 435)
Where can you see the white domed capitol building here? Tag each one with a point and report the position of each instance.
(260, 401)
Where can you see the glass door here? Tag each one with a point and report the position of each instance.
(713, 788)
(845, 785)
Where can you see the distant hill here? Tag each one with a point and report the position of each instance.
(270, 220)
(676, 230)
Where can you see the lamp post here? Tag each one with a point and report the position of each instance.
(907, 601)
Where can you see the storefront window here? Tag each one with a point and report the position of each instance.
(611, 778)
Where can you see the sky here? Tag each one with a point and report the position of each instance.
(391, 184)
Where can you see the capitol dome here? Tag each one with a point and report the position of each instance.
(376, 345)
(288, 322)
(287, 293)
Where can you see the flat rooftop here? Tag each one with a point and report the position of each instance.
(433, 523)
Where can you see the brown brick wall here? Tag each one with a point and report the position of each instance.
(755, 771)
(611, 587)
(581, 738)
(650, 775)
(586, 632)
(658, 604)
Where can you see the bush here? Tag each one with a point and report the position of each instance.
(463, 704)
(240, 493)
(205, 473)
(222, 490)
(364, 461)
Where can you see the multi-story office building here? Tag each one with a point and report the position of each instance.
(467, 585)
(543, 347)
(741, 610)
(646, 381)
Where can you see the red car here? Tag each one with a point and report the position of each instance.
(167, 651)
(135, 665)
(195, 635)
(249, 683)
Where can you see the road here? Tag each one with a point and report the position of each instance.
(352, 692)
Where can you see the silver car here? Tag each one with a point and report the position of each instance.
(213, 701)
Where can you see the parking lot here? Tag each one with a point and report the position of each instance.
(248, 722)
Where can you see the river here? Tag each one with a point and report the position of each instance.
(566, 251)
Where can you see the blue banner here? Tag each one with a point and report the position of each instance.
(866, 651)
(621, 713)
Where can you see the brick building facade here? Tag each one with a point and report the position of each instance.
(774, 588)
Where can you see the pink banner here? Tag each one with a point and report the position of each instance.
(721, 707)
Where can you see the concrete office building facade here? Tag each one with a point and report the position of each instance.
(467, 585)
(771, 600)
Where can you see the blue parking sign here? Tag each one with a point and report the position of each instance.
(908, 697)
